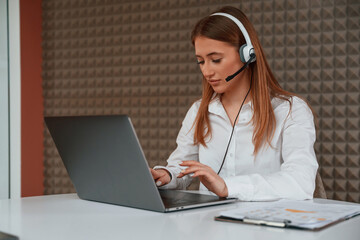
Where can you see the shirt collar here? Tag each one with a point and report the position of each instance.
(216, 107)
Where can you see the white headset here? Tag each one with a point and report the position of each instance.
(246, 51)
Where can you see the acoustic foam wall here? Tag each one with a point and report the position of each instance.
(135, 58)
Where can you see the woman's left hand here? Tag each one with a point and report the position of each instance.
(207, 176)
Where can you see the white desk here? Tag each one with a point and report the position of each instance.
(68, 217)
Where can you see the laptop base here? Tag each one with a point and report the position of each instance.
(175, 200)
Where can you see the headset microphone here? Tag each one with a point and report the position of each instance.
(252, 56)
(246, 51)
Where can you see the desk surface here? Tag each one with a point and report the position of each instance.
(68, 217)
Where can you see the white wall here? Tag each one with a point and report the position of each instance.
(4, 103)
(15, 98)
(10, 100)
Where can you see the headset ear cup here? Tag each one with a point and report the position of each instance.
(241, 52)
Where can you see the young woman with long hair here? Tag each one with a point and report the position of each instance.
(246, 137)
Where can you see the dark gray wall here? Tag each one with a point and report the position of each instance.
(135, 58)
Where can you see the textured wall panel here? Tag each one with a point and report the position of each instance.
(135, 58)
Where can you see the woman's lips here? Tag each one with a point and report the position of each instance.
(214, 81)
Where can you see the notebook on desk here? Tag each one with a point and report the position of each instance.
(106, 163)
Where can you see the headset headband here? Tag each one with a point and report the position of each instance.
(245, 51)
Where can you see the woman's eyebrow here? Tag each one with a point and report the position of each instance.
(210, 54)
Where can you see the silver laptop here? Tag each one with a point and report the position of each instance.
(106, 163)
(5, 236)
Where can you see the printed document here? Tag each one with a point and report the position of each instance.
(300, 214)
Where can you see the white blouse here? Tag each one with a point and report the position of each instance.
(285, 170)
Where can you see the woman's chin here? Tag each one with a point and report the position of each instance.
(218, 89)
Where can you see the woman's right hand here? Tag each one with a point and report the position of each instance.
(161, 176)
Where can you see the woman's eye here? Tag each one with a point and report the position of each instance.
(216, 60)
(200, 62)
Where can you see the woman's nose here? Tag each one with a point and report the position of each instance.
(207, 71)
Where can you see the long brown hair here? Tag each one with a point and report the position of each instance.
(264, 85)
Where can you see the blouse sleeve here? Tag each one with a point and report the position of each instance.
(296, 178)
(185, 150)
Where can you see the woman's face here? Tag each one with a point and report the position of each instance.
(217, 60)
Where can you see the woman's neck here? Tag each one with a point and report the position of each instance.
(236, 94)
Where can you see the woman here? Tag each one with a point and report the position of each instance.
(247, 137)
